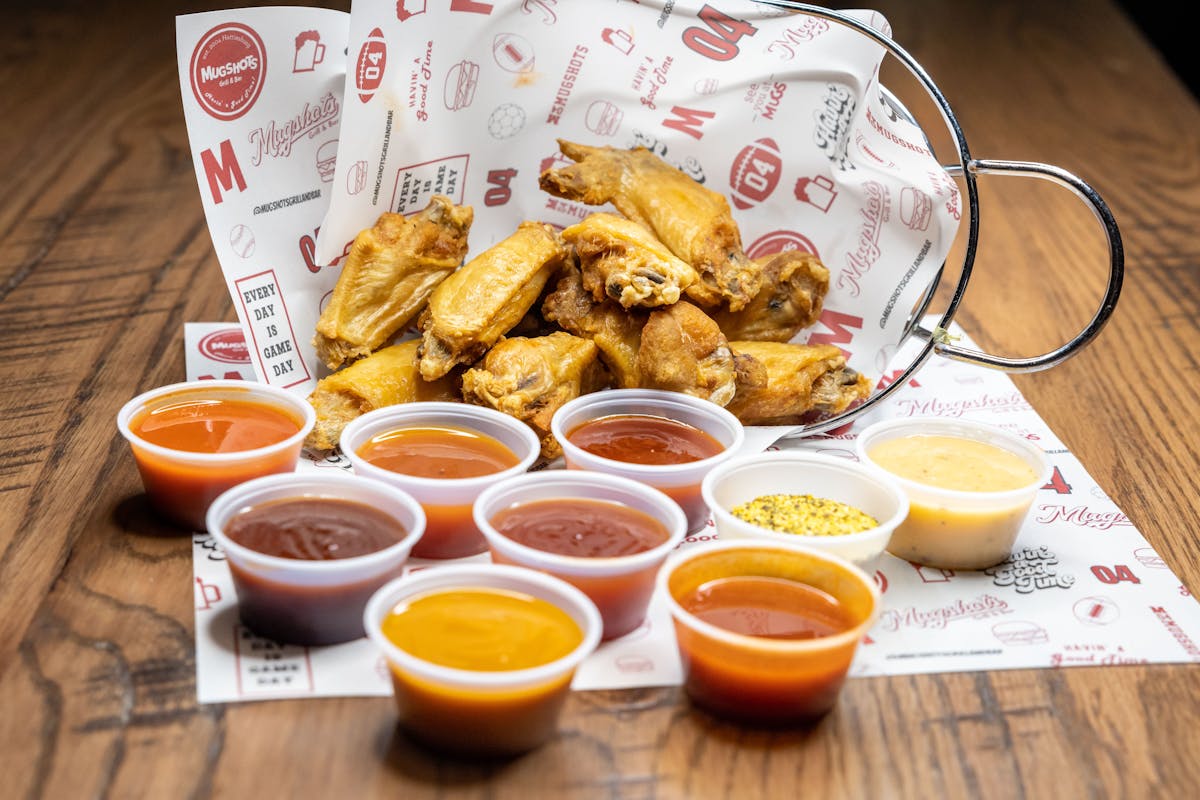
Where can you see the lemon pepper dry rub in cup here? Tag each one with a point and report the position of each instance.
(804, 515)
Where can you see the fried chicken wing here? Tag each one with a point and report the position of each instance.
(386, 377)
(793, 292)
(695, 223)
(617, 333)
(683, 350)
(621, 260)
(530, 378)
(389, 273)
(804, 383)
(470, 310)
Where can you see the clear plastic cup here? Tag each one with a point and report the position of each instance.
(500, 712)
(181, 484)
(680, 481)
(312, 602)
(450, 530)
(620, 586)
(756, 679)
(954, 529)
(866, 488)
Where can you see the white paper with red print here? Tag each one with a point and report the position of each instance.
(1084, 587)
(779, 112)
(262, 98)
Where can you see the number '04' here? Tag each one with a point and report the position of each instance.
(719, 40)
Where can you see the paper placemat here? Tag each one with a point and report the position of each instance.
(1083, 587)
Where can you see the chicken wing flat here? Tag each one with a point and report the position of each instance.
(683, 350)
(622, 261)
(694, 223)
(530, 378)
(469, 311)
(793, 293)
(385, 378)
(804, 383)
(617, 333)
(389, 273)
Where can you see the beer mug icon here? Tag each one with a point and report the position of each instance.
(309, 51)
(816, 191)
(619, 39)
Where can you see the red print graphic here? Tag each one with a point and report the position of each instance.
(1096, 611)
(619, 39)
(407, 9)
(369, 67)
(227, 70)
(781, 242)
(916, 208)
(755, 173)
(309, 52)
(817, 191)
(241, 241)
(327, 160)
(603, 118)
(356, 177)
(512, 52)
(1020, 632)
(228, 346)
(459, 88)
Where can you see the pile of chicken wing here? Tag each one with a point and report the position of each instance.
(659, 295)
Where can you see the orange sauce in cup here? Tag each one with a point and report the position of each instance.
(480, 630)
(786, 645)
(182, 489)
(442, 452)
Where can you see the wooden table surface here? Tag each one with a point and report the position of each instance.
(104, 255)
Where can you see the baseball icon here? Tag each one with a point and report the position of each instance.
(241, 241)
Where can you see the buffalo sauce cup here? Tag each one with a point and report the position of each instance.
(192, 441)
(444, 455)
(766, 632)
(604, 534)
(664, 439)
(481, 655)
(306, 552)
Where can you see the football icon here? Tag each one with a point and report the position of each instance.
(755, 173)
(512, 52)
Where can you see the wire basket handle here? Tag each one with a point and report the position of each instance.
(939, 338)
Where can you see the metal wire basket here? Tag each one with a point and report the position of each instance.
(937, 340)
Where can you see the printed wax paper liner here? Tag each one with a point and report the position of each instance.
(779, 112)
(1083, 587)
(262, 99)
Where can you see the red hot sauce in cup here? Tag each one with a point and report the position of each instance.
(586, 528)
(652, 440)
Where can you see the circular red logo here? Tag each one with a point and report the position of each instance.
(228, 346)
(227, 70)
(780, 242)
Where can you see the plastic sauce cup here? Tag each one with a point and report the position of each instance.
(450, 530)
(305, 602)
(180, 484)
(680, 481)
(869, 489)
(954, 529)
(473, 711)
(756, 679)
(620, 586)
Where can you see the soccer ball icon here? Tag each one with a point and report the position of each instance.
(506, 121)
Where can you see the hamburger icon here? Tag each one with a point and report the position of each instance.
(916, 208)
(327, 160)
(1020, 632)
(461, 81)
(603, 118)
